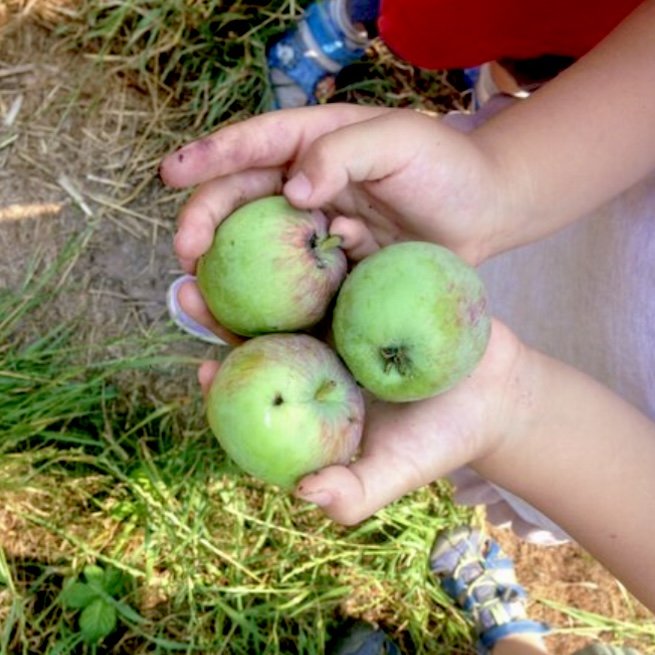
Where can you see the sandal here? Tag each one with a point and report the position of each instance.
(479, 577)
(304, 62)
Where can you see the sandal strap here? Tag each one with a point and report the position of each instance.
(317, 48)
(480, 578)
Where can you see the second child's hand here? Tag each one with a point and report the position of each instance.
(408, 445)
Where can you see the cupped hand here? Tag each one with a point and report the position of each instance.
(382, 175)
(408, 445)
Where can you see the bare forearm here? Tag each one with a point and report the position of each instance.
(583, 138)
(586, 458)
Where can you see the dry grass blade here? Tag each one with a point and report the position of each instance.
(106, 457)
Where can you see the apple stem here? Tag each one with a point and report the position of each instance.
(324, 391)
(329, 242)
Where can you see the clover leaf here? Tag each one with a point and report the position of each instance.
(94, 592)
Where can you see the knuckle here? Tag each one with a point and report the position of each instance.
(321, 152)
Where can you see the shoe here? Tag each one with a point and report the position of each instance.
(183, 320)
(304, 62)
(361, 638)
(479, 577)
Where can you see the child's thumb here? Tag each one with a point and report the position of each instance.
(350, 494)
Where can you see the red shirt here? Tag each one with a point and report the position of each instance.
(457, 34)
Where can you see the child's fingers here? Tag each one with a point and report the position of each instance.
(400, 453)
(356, 239)
(272, 139)
(206, 374)
(359, 153)
(193, 304)
(214, 201)
(350, 494)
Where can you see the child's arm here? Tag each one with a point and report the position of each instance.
(534, 167)
(586, 458)
(534, 426)
(581, 139)
(584, 137)
(529, 423)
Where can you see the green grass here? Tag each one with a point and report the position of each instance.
(207, 58)
(105, 457)
(208, 55)
(96, 471)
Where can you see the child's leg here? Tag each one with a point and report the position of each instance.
(480, 578)
(477, 575)
(520, 645)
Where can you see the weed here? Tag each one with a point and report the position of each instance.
(123, 527)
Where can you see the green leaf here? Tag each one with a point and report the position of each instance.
(97, 621)
(94, 574)
(77, 595)
(66, 644)
(113, 581)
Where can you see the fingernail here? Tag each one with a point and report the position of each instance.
(298, 188)
(320, 498)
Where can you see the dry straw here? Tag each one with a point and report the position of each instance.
(44, 11)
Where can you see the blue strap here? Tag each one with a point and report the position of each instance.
(304, 69)
(364, 11)
(494, 559)
(328, 36)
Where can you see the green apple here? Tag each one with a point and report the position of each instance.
(411, 320)
(283, 405)
(271, 268)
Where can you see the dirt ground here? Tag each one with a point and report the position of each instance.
(567, 575)
(77, 147)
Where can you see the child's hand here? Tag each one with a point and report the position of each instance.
(409, 445)
(383, 175)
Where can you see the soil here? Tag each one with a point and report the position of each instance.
(65, 165)
(79, 151)
(568, 576)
